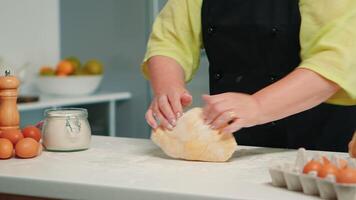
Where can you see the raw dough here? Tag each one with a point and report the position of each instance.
(191, 139)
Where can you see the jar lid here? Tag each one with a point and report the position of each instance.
(66, 112)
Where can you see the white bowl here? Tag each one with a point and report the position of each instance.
(68, 85)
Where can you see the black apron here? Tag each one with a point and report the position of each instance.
(252, 43)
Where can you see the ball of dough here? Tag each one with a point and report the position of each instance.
(191, 139)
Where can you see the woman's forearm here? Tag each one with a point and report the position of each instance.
(170, 94)
(299, 91)
(165, 72)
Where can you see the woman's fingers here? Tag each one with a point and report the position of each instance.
(210, 106)
(177, 108)
(211, 99)
(212, 111)
(186, 99)
(223, 120)
(166, 110)
(162, 119)
(150, 118)
(234, 126)
(247, 111)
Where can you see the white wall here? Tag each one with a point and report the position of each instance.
(29, 34)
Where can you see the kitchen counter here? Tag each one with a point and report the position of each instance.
(123, 168)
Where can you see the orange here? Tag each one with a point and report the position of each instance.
(61, 74)
(65, 68)
(47, 71)
(94, 67)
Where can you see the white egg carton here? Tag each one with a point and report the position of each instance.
(290, 176)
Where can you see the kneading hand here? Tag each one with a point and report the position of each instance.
(231, 111)
(167, 107)
(170, 93)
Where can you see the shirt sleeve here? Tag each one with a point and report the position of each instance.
(328, 44)
(176, 34)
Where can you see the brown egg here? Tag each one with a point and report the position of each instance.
(328, 168)
(342, 163)
(14, 135)
(312, 165)
(346, 175)
(27, 148)
(32, 132)
(6, 148)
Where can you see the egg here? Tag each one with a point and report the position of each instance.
(32, 132)
(27, 148)
(328, 168)
(342, 163)
(312, 165)
(14, 135)
(346, 175)
(6, 148)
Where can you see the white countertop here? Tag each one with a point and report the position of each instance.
(123, 168)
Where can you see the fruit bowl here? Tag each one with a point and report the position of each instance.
(68, 85)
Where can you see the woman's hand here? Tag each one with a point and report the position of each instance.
(231, 111)
(166, 107)
(170, 94)
(300, 90)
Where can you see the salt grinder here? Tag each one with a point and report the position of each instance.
(9, 114)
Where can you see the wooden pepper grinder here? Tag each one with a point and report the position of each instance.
(9, 115)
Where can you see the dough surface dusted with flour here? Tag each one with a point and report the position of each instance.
(191, 139)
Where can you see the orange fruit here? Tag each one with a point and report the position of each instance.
(65, 67)
(94, 67)
(61, 74)
(75, 62)
(47, 71)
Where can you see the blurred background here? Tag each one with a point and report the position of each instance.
(40, 33)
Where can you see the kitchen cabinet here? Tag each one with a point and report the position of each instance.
(123, 168)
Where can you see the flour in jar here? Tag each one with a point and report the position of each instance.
(66, 129)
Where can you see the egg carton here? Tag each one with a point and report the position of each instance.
(291, 176)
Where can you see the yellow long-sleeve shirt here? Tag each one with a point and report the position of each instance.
(327, 39)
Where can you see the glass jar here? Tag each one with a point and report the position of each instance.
(66, 129)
